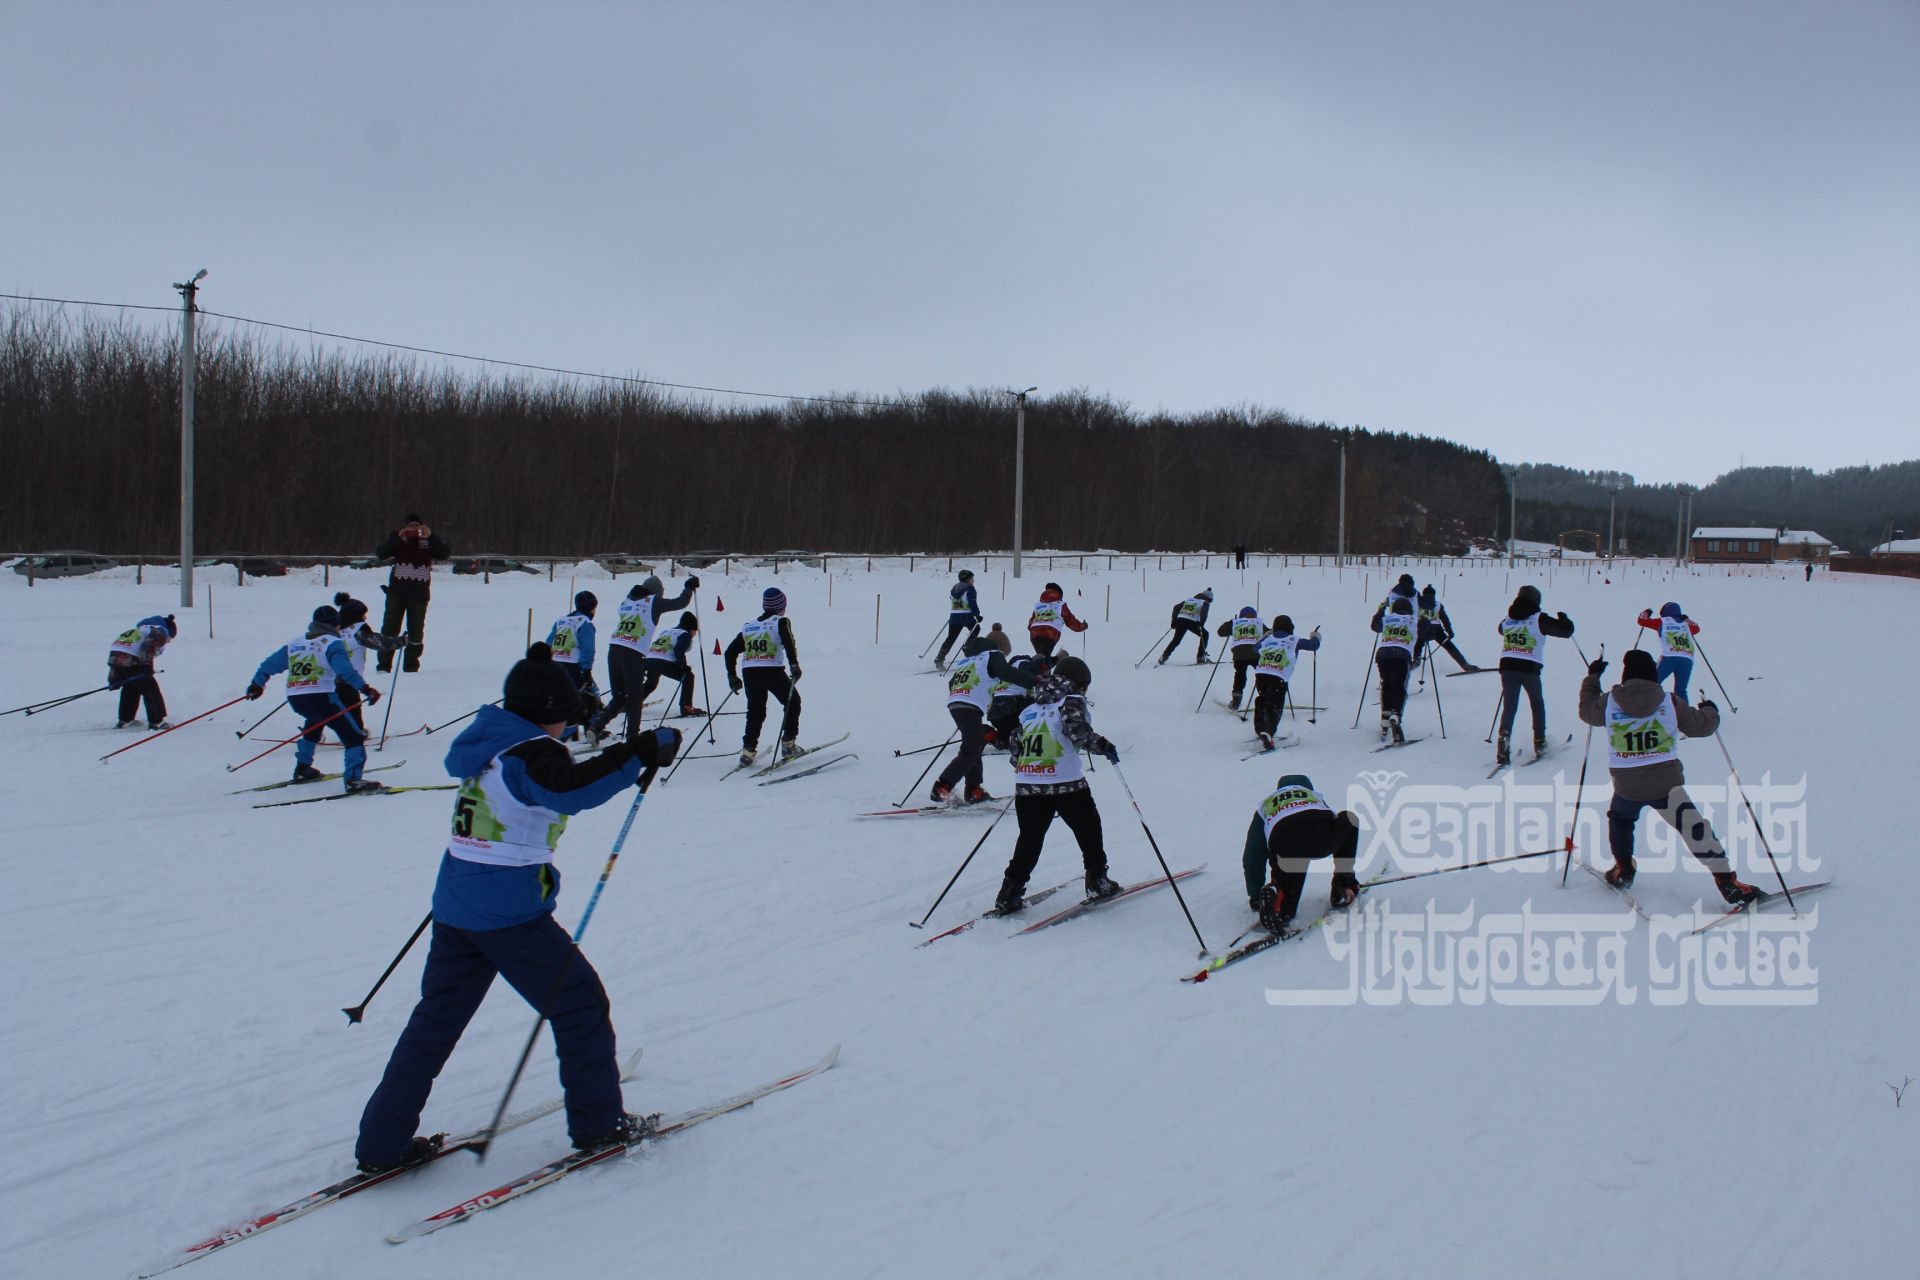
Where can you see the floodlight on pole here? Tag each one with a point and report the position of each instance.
(1019, 470)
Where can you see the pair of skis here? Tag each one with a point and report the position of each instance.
(1061, 917)
(781, 761)
(662, 1126)
(1536, 758)
(351, 795)
(301, 782)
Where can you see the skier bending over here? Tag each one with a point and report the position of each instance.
(1291, 827)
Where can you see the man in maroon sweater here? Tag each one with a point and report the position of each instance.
(412, 548)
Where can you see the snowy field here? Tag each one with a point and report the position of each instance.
(1057, 1104)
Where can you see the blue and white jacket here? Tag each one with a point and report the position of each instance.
(964, 601)
(337, 661)
(536, 771)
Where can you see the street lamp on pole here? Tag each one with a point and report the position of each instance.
(188, 363)
(1019, 471)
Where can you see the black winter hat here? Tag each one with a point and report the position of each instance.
(1400, 605)
(173, 628)
(1426, 593)
(976, 646)
(689, 623)
(1405, 583)
(327, 616)
(1529, 594)
(966, 575)
(413, 517)
(586, 602)
(538, 690)
(1074, 672)
(351, 610)
(1283, 624)
(1639, 665)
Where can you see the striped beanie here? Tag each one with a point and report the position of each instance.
(773, 600)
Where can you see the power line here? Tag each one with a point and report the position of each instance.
(458, 355)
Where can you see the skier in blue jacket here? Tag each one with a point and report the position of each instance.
(314, 664)
(571, 640)
(963, 614)
(493, 913)
(130, 662)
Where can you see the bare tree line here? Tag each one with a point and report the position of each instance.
(321, 451)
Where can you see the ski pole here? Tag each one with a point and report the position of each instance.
(526, 1050)
(1314, 692)
(35, 708)
(161, 733)
(920, 751)
(706, 690)
(1151, 648)
(1210, 675)
(457, 719)
(1582, 652)
(1791, 905)
(936, 639)
(393, 688)
(1710, 671)
(1365, 680)
(1441, 711)
(358, 1011)
(262, 720)
(1204, 951)
(313, 728)
(1498, 702)
(1586, 754)
(1465, 866)
(710, 718)
(921, 923)
(929, 769)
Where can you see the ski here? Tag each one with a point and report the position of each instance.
(557, 1169)
(782, 761)
(348, 795)
(1238, 713)
(993, 913)
(1552, 747)
(1764, 897)
(1631, 900)
(1281, 742)
(1085, 905)
(301, 782)
(933, 810)
(1236, 954)
(354, 1184)
(333, 743)
(1404, 742)
(808, 773)
(1471, 671)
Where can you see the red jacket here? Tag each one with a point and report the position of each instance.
(1066, 613)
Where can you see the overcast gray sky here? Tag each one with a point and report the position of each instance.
(1645, 236)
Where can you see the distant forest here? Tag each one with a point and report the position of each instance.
(322, 452)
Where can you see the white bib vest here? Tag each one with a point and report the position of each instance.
(761, 643)
(1396, 631)
(129, 641)
(1277, 657)
(1044, 754)
(633, 629)
(1047, 613)
(491, 827)
(356, 652)
(662, 645)
(967, 683)
(1191, 608)
(1523, 639)
(564, 638)
(1676, 638)
(1634, 742)
(1289, 802)
(1246, 633)
(307, 669)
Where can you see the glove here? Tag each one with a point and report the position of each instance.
(1564, 619)
(1708, 704)
(693, 582)
(734, 683)
(1595, 667)
(796, 675)
(253, 692)
(370, 695)
(657, 747)
(1112, 754)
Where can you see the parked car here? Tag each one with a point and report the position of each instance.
(259, 567)
(617, 565)
(490, 564)
(811, 559)
(363, 562)
(63, 564)
(701, 559)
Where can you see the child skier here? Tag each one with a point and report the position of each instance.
(313, 663)
(1676, 631)
(1189, 617)
(1523, 641)
(1274, 663)
(493, 913)
(130, 660)
(1006, 699)
(633, 630)
(1291, 827)
(1243, 633)
(970, 692)
(963, 614)
(1644, 724)
(1436, 628)
(1050, 780)
(572, 641)
(667, 656)
(1049, 615)
(358, 638)
(1394, 623)
(758, 650)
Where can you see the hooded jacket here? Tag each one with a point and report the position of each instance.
(1048, 596)
(1668, 610)
(1640, 698)
(536, 770)
(1526, 603)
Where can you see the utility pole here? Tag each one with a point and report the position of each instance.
(1019, 471)
(1513, 513)
(188, 363)
(1612, 498)
(1680, 528)
(1340, 547)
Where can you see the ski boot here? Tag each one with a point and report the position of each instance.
(363, 786)
(789, 748)
(1503, 752)
(1734, 890)
(1274, 915)
(1620, 874)
(1266, 742)
(942, 793)
(1539, 745)
(419, 1151)
(748, 755)
(1202, 660)
(978, 795)
(689, 711)
(127, 724)
(1346, 887)
(1099, 887)
(157, 725)
(1386, 728)
(306, 773)
(1393, 725)
(1012, 898)
(626, 1131)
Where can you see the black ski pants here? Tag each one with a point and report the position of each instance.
(406, 612)
(1296, 841)
(1679, 811)
(1244, 656)
(1512, 684)
(973, 743)
(652, 671)
(762, 683)
(137, 684)
(955, 625)
(625, 667)
(1269, 700)
(1182, 628)
(1394, 666)
(1035, 813)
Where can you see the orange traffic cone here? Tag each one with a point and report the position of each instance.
(716, 649)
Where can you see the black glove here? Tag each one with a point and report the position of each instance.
(1565, 621)
(1707, 704)
(1595, 667)
(1112, 754)
(370, 695)
(657, 747)
(733, 683)
(253, 692)
(796, 675)
(693, 582)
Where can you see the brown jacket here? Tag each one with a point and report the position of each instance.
(1640, 698)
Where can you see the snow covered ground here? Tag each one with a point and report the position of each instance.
(1049, 1105)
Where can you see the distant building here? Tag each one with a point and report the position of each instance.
(1734, 546)
(1900, 549)
(1802, 544)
